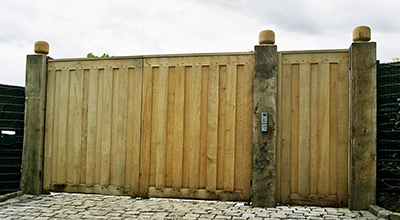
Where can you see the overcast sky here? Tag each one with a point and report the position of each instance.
(131, 27)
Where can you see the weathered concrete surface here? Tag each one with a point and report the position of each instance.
(88, 206)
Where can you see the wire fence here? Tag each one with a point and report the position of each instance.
(12, 103)
(388, 135)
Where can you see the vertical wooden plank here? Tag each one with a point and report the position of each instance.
(187, 124)
(77, 126)
(106, 124)
(130, 135)
(48, 149)
(314, 128)
(304, 128)
(114, 125)
(323, 129)
(343, 133)
(62, 141)
(241, 126)
(160, 125)
(84, 136)
(333, 128)
(222, 117)
(134, 126)
(295, 130)
(92, 148)
(154, 123)
(279, 140)
(179, 118)
(194, 132)
(247, 94)
(147, 95)
(170, 127)
(70, 157)
(229, 151)
(286, 132)
(203, 127)
(213, 129)
(57, 103)
(99, 125)
(121, 127)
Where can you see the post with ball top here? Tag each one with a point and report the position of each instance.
(35, 107)
(362, 131)
(264, 121)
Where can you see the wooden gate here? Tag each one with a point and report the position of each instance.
(170, 126)
(93, 117)
(313, 128)
(197, 127)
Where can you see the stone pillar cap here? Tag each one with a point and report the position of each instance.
(362, 34)
(266, 37)
(41, 47)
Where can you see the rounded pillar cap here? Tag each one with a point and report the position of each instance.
(41, 47)
(266, 37)
(362, 34)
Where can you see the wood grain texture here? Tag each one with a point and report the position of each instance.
(49, 130)
(147, 95)
(313, 85)
(57, 92)
(133, 129)
(304, 129)
(34, 124)
(294, 148)
(63, 122)
(264, 144)
(203, 126)
(179, 105)
(362, 186)
(212, 125)
(343, 132)
(286, 126)
(85, 99)
(154, 122)
(92, 150)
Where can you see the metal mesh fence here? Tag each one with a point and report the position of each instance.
(388, 146)
(12, 103)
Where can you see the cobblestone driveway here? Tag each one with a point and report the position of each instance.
(87, 206)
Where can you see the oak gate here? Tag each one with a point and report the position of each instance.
(313, 127)
(271, 127)
(159, 126)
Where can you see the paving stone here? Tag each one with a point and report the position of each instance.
(87, 206)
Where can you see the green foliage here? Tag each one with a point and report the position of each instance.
(396, 119)
(392, 166)
(91, 55)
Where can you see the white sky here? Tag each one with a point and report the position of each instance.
(75, 28)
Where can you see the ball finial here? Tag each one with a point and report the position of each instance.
(41, 47)
(362, 34)
(266, 37)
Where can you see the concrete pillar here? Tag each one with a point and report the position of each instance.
(264, 143)
(35, 105)
(363, 101)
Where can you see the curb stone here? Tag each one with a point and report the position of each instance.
(383, 213)
(10, 196)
